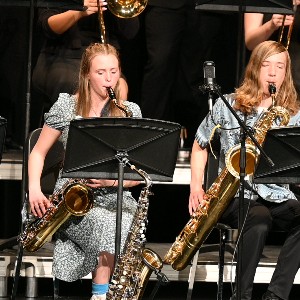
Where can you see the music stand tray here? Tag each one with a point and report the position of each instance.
(258, 6)
(282, 145)
(94, 146)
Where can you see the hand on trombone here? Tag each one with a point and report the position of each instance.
(258, 30)
(60, 23)
(91, 6)
(281, 20)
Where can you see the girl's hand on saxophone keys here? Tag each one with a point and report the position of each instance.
(38, 203)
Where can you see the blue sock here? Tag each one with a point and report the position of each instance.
(99, 289)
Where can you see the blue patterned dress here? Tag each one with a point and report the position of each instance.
(80, 240)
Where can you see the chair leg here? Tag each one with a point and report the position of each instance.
(55, 288)
(17, 272)
(32, 287)
(192, 276)
(221, 263)
(3, 286)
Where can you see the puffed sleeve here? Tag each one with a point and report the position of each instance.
(61, 113)
(206, 128)
(134, 108)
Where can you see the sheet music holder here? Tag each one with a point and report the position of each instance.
(92, 146)
(258, 6)
(99, 148)
(3, 124)
(282, 145)
(68, 4)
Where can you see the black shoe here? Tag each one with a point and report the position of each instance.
(270, 296)
(12, 145)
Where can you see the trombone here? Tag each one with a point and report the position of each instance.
(290, 30)
(289, 33)
(122, 9)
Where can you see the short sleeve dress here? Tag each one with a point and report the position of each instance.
(80, 239)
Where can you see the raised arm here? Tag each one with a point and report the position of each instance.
(256, 31)
(60, 23)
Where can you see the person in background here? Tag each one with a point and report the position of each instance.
(178, 40)
(266, 206)
(65, 34)
(85, 244)
(260, 27)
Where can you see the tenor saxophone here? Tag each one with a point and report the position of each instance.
(136, 263)
(74, 198)
(219, 194)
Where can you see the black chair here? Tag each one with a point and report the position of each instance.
(226, 236)
(50, 173)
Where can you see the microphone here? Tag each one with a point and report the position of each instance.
(209, 81)
(209, 73)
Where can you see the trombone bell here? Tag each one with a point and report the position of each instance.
(126, 8)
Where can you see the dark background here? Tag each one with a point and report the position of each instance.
(168, 207)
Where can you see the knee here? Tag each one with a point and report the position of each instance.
(259, 219)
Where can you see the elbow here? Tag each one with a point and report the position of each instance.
(250, 45)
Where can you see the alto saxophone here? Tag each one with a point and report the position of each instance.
(135, 265)
(74, 198)
(219, 195)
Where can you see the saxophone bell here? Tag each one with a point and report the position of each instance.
(232, 157)
(232, 160)
(152, 260)
(74, 198)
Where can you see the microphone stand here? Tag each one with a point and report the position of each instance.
(214, 88)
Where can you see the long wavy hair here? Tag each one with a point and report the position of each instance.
(250, 93)
(83, 94)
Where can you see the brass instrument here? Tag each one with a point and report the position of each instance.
(232, 157)
(126, 8)
(120, 8)
(219, 195)
(123, 108)
(102, 25)
(74, 198)
(136, 263)
(289, 33)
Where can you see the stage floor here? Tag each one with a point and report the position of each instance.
(39, 265)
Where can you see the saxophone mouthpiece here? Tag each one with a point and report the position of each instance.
(111, 93)
(272, 89)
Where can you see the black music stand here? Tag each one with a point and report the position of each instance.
(242, 6)
(3, 124)
(67, 4)
(102, 147)
(259, 6)
(283, 146)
